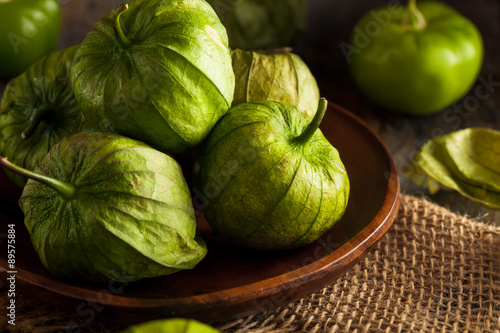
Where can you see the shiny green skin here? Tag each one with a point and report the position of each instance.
(43, 88)
(261, 24)
(167, 87)
(264, 189)
(29, 30)
(176, 325)
(131, 216)
(467, 161)
(278, 76)
(417, 72)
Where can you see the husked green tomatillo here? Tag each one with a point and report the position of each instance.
(279, 76)
(415, 59)
(37, 109)
(158, 71)
(270, 179)
(29, 30)
(102, 206)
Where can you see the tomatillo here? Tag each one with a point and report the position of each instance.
(158, 71)
(415, 60)
(29, 30)
(269, 177)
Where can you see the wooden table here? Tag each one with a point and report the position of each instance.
(330, 25)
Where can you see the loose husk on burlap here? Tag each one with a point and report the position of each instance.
(434, 271)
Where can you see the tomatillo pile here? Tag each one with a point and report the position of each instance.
(93, 133)
(415, 60)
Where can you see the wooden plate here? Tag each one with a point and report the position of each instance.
(231, 283)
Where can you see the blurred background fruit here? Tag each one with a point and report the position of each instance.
(29, 30)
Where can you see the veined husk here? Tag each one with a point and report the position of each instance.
(129, 217)
(158, 71)
(467, 161)
(266, 186)
(279, 76)
(42, 96)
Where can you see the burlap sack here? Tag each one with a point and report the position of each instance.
(434, 271)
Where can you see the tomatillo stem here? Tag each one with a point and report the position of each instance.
(284, 49)
(122, 39)
(66, 190)
(6, 105)
(35, 120)
(306, 136)
(413, 18)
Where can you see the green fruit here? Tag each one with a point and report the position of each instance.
(29, 30)
(279, 76)
(415, 60)
(101, 206)
(261, 24)
(158, 71)
(37, 109)
(271, 180)
(176, 325)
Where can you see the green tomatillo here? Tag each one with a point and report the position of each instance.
(37, 109)
(261, 24)
(277, 75)
(174, 325)
(29, 30)
(158, 71)
(270, 179)
(415, 60)
(101, 206)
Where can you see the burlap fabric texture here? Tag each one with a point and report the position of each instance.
(434, 271)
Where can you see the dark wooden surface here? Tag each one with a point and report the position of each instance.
(229, 282)
(330, 24)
